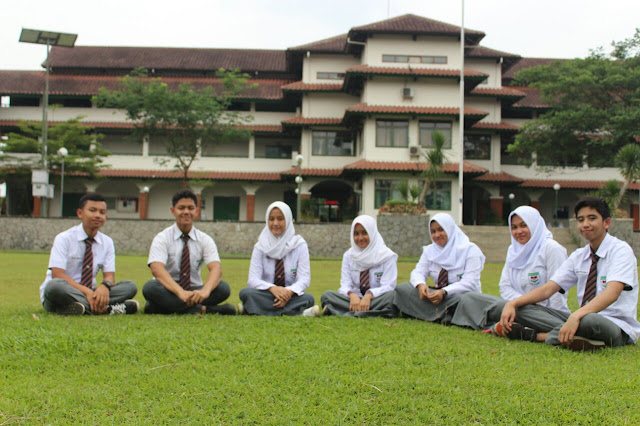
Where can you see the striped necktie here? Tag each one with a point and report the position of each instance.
(592, 279)
(443, 278)
(87, 263)
(185, 264)
(364, 282)
(278, 276)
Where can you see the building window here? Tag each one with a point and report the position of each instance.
(507, 157)
(387, 190)
(442, 198)
(414, 59)
(5, 101)
(333, 143)
(323, 75)
(477, 147)
(392, 133)
(277, 151)
(426, 133)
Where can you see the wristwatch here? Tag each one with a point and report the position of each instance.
(444, 293)
(107, 284)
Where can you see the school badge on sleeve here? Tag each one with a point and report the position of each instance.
(534, 278)
(378, 276)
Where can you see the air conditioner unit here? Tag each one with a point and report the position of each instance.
(407, 93)
(414, 151)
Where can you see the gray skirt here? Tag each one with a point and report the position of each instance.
(260, 302)
(407, 300)
(338, 304)
(478, 311)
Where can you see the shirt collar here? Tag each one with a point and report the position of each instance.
(81, 235)
(603, 249)
(177, 233)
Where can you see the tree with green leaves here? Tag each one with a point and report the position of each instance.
(594, 108)
(83, 144)
(628, 162)
(190, 119)
(434, 158)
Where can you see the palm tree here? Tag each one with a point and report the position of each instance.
(434, 158)
(628, 162)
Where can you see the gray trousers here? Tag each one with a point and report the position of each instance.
(592, 326)
(407, 300)
(162, 301)
(260, 302)
(59, 293)
(478, 311)
(338, 304)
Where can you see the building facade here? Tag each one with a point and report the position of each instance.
(360, 108)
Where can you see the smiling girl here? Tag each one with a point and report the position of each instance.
(453, 263)
(280, 271)
(369, 274)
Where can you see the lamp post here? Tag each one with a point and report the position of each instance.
(49, 38)
(62, 152)
(299, 160)
(511, 197)
(556, 188)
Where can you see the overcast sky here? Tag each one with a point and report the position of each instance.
(540, 28)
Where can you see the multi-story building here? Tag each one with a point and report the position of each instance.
(359, 107)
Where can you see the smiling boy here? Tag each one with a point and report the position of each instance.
(77, 255)
(606, 275)
(175, 259)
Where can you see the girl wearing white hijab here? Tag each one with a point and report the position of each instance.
(453, 263)
(369, 274)
(532, 259)
(280, 271)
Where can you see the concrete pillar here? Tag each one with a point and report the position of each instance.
(252, 144)
(143, 198)
(197, 189)
(496, 205)
(91, 186)
(535, 204)
(635, 214)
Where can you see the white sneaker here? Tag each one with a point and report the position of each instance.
(240, 309)
(313, 311)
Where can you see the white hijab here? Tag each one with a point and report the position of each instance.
(458, 248)
(373, 254)
(521, 255)
(279, 247)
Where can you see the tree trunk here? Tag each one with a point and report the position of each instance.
(423, 193)
(625, 185)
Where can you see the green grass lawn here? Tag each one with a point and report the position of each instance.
(210, 369)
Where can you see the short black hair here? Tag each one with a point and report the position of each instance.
(91, 196)
(184, 193)
(595, 203)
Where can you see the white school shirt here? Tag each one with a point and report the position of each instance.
(68, 250)
(166, 248)
(536, 274)
(617, 263)
(461, 280)
(382, 277)
(297, 270)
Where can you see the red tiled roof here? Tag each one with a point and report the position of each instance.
(498, 91)
(485, 52)
(505, 126)
(166, 58)
(312, 172)
(331, 44)
(413, 24)
(263, 128)
(570, 184)
(299, 86)
(32, 82)
(298, 120)
(532, 99)
(174, 174)
(364, 108)
(414, 71)
(527, 63)
(410, 166)
(498, 177)
(96, 124)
